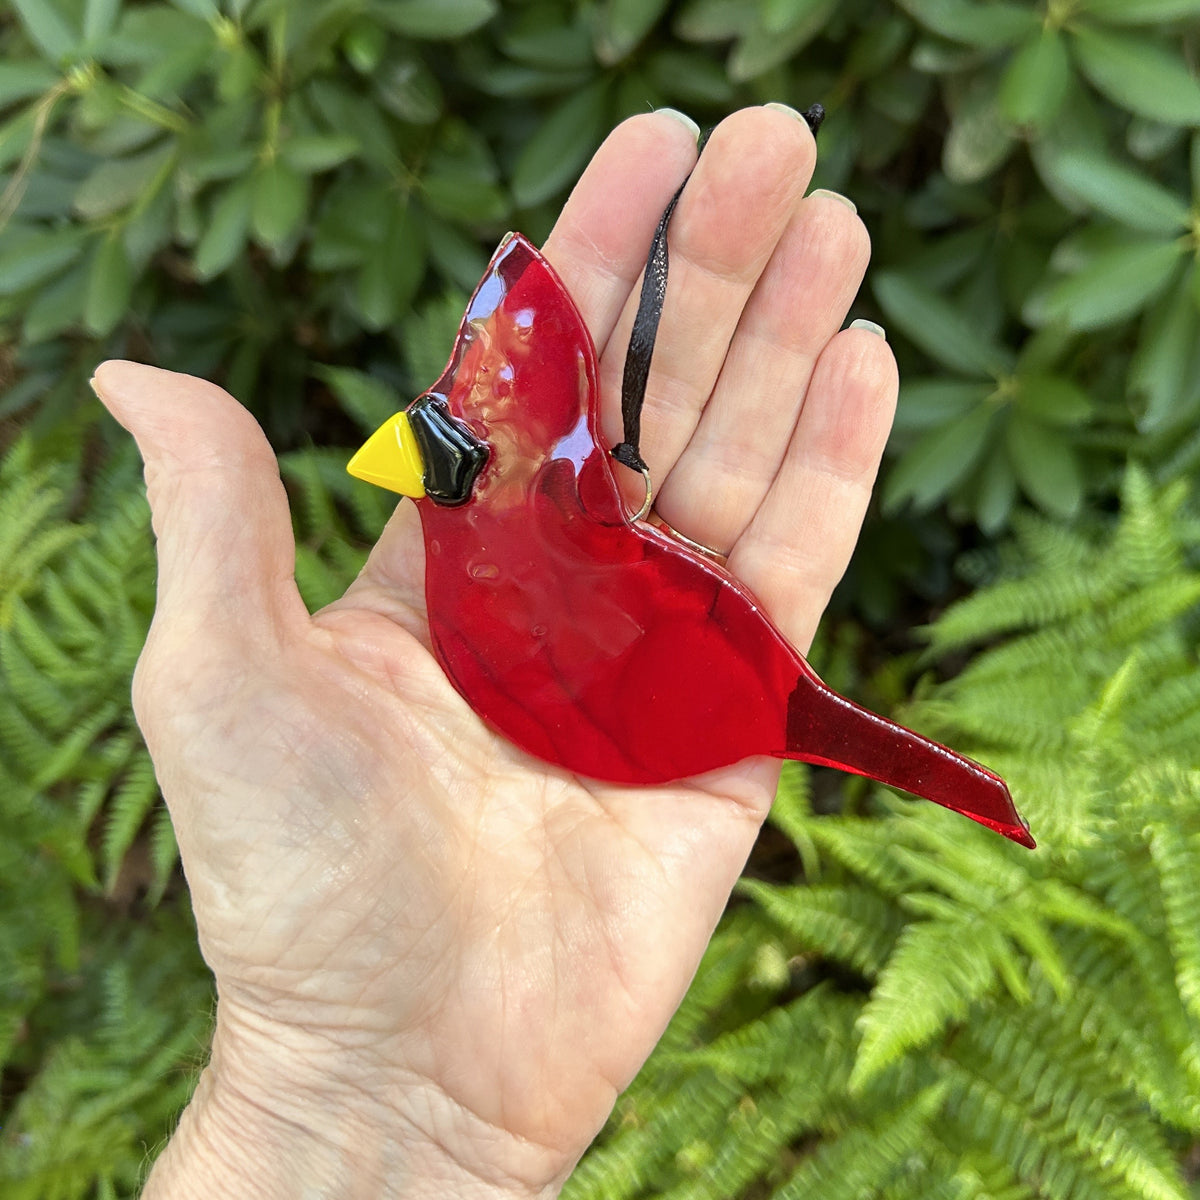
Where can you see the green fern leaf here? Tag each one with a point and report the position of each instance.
(863, 1160)
(849, 924)
(127, 812)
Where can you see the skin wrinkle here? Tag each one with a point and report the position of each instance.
(431, 1133)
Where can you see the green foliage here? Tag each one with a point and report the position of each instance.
(101, 1098)
(937, 1012)
(249, 189)
(103, 1014)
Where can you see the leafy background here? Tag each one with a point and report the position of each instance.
(295, 199)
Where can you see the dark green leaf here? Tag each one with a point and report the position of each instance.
(939, 327)
(1118, 191)
(1053, 399)
(389, 279)
(472, 201)
(690, 77)
(622, 24)
(1140, 75)
(99, 17)
(110, 283)
(925, 403)
(351, 225)
(148, 227)
(551, 46)
(240, 71)
(507, 80)
(1046, 466)
(206, 10)
(410, 90)
(57, 306)
(1140, 12)
(168, 78)
(456, 256)
(367, 399)
(225, 162)
(761, 49)
(980, 137)
(32, 256)
(1036, 81)
(560, 146)
(341, 108)
(118, 183)
(145, 36)
(225, 235)
(1165, 371)
(21, 79)
(364, 44)
(997, 491)
(778, 15)
(279, 205)
(1114, 285)
(435, 19)
(45, 25)
(315, 152)
(714, 20)
(938, 461)
(987, 26)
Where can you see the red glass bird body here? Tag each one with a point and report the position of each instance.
(594, 641)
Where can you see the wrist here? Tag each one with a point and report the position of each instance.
(262, 1129)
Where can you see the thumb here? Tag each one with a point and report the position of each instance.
(226, 553)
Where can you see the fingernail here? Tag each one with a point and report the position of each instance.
(869, 326)
(836, 196)
(682, 118)
(785, 108)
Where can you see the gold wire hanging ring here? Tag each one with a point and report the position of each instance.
(716, 556)
(641, 513)
(647, 513)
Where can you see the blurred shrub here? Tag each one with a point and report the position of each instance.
(251, 188)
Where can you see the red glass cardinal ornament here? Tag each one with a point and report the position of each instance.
(590, 639)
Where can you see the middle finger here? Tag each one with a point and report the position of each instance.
(801, 301)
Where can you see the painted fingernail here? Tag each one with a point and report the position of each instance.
(836, 196)
(869, 326)
(682, 118)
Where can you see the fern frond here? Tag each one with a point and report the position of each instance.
(848, 924)
(864, 1159)
(812, 1039)
(127, 811)
(939, 970)
(1054, 1109)
(864, 848)
(1177, 858)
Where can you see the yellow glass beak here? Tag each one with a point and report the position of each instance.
(390, 458)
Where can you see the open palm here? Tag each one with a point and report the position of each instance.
(403, 912)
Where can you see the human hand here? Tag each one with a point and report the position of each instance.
(438, 960)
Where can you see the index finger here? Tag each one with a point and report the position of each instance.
(600, 241)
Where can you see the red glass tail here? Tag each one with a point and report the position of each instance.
(829, 730)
